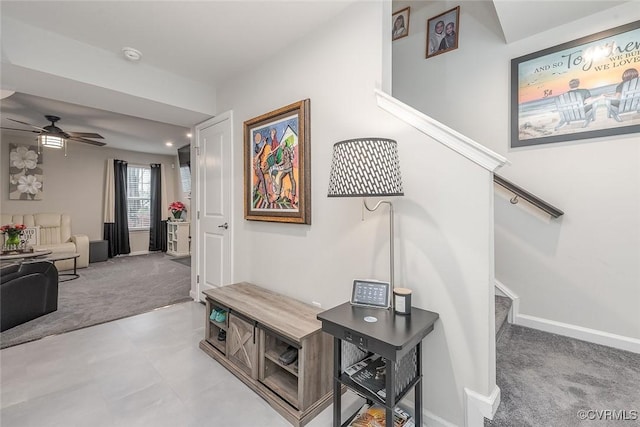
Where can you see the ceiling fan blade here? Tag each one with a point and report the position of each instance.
(21, 130)
(28, 124)
(86, 135)
(87, 141)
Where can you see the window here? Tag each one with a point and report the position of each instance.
(185, 178)
(139, 197)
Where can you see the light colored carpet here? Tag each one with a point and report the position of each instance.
(184, 260)
(546, 380)
(105, 291)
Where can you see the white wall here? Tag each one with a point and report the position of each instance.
(75, 185)
(82, 74)
(584, 268)
(443, 248)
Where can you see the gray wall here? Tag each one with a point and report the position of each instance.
(582, 269)
(75, 184)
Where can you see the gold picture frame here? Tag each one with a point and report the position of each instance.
(442, 32)
(277, 165)
(400, 23)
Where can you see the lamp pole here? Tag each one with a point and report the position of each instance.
(391, 248)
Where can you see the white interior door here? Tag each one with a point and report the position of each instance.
(213, 217)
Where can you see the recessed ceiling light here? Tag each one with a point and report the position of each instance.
(132, 54)
(169, 144)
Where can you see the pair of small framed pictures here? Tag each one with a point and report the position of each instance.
(442, 30)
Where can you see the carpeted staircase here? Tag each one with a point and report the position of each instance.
(550, 380)
(503, 305)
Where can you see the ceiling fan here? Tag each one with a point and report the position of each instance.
(53, 136)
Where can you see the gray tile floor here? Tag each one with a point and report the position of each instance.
(145, 370)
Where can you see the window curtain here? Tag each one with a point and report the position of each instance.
(158, 227)
(116, 224)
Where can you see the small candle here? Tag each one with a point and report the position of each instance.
(402, 300)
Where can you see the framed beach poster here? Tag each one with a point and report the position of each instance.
(586, 88)
(277, 174)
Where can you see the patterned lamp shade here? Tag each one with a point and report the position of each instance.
(365, 167)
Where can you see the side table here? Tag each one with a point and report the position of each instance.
(19, 257)
(397, 338)
(64, 256)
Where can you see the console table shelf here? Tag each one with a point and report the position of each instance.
(260, 326)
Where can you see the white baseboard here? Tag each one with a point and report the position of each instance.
(194, 296)
(428, 418)
(566, 329)
(578, 332)
(432, 420)
(515, 300)
(480, 406)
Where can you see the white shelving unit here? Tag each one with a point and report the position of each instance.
(178, 238)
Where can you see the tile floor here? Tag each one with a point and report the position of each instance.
(145, 370)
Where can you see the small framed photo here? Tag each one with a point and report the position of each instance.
(400, 24)
(442, 32)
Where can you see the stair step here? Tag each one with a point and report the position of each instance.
(503, 305)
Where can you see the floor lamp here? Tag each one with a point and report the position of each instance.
(368, 167)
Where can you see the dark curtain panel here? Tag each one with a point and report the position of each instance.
(109, 234)
(119, 236)
(158, 227)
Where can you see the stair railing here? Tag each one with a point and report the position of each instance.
(531, 198)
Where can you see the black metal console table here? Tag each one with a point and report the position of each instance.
(396, 338)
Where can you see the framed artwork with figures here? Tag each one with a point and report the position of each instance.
(277, 165)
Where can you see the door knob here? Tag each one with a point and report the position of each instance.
(225, 226)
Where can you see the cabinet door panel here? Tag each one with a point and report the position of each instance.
(242, 348)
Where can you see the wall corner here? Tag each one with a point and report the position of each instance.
(479, 406)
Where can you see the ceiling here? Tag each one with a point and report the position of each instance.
(521, 18)
(204, 41)
(119, 130)
(208, 42)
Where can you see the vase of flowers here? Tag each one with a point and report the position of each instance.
(176, 209)
(13, 233)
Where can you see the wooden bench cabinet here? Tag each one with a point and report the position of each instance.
(260, 325)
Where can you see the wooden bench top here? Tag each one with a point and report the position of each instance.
(284, 315)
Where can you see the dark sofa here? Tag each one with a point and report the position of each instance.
(27, 291)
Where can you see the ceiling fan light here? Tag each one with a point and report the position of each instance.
(51, 141)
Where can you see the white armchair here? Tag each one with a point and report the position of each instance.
(55, 235)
